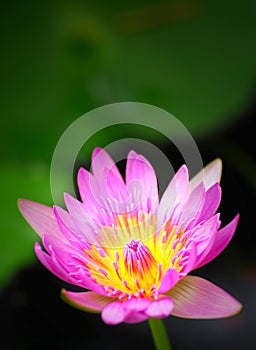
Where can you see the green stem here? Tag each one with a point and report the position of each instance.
(159, 334)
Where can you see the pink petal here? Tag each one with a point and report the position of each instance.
(109, 192)
(209, 175)
(65, 249)
(101, 161)
(170, 278)
(84, 181)
(136, 317)
(40, 217)
(67, 226)
(83, 225)
(188, 265)
(113, 313)
(222, 239)
(173, 197)
(75, 227)
(126, 311)
(58, 268)
(72, 264)
(141, 177)
(96, 195)
(107, 184)
(51, 265)
(204, 238)
(195, 297)
(87, 301)
(211, 203)
(193, 207)
(160, 308)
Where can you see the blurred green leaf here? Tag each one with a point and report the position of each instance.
(17, 237)
(195, 59)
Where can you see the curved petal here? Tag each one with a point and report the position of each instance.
(193, 207)
(74, 228)
(56, 265)
(83, 225)
(222, 239)
(86, 301)
(66, 226)
(141, 178)
(101, 161)
(126, 311)
(84, 181)
(195, 297)
(211, 203)
(204, 238)
(160, 308)
(107, 185)
(173, 197)
(113, 313)
(72, 264)
(52, 266)
(136, 317)
(170, 278)
(40, 217)
(102, 193)
(209, 175)
(190, 256)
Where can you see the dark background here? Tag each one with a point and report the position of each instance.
(59, 60)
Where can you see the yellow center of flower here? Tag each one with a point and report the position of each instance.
(131, 257)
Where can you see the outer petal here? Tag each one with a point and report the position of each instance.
(195, 297)
(136, 317)
(210, 175)
(107, 181)
(83, 225)
(160, 308)
(101, 198)
(173, 197)
(102, 161)
(84, 181)
(56, 265)
(87, 301)
(193, 207)
(73, 264)
(222, 239)
(114, 313)
(126, 311)
(141, 178)
(211, 203)
(68, 228)
(51, 265)
(40, 217)
(204, 238)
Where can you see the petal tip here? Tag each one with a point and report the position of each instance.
(216, 167)
(22, 203)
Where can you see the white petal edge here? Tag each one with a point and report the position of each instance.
(209, 175)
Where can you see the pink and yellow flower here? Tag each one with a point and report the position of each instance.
(130, 250)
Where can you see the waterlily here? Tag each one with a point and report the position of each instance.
(132, 252)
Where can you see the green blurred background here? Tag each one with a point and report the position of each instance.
(196, 59)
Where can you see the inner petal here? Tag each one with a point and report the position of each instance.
(139, 261)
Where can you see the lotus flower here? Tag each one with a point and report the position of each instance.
(130, 250)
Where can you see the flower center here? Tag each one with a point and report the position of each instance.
(136, 268)
(138, 260)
